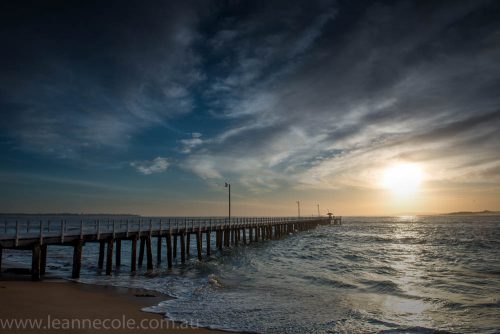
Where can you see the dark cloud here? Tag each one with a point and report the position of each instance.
(93, 74)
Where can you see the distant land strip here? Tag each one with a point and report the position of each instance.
(469, 213)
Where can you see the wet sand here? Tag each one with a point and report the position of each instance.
(68, 307)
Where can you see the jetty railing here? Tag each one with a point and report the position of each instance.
(29, 229)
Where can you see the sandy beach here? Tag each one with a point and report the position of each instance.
(68, 307)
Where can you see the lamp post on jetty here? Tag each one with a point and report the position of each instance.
(298, 208)
(228, 185)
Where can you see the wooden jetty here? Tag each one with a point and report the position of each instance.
(111, 235)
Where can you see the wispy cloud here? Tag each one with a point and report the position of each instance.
(189, 144)
(157, 165)
(353, 104)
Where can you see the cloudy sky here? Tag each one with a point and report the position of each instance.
(149, 107)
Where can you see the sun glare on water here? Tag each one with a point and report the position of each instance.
(403, 179)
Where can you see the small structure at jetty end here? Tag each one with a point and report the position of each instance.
(334, 220)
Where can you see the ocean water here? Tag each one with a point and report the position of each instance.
(431, 274)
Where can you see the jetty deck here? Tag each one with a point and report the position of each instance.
(37, 235)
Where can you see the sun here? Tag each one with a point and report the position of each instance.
(403, 179)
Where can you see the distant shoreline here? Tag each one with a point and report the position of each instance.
(472, 213)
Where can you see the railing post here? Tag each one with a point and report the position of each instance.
(98, 229)
(17, 233)
(128, 228)
(81, 229)
(41, 232)
(62, 231)
(114, 228)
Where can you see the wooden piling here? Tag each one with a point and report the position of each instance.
(133, 255)
(226, 237)
(199, 245)
(158, 248)
(100, 263)
(109, 257)
(77, 259)
(118, 253)
(244, 236)
(169, 250)
(1, 255)
(35, 262)
(141, 251)
(250, 234)
(183, 248)
(175, 247)
(43, 260)
(149, 253)
(219, 240)
(208, 243)
(188, 245)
